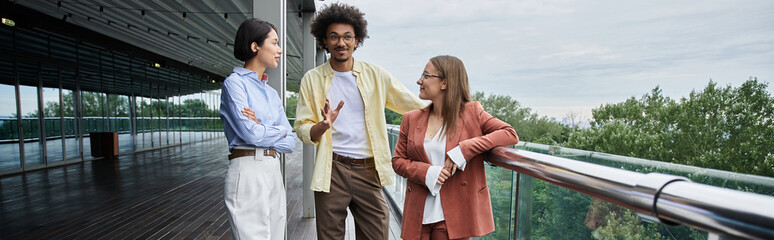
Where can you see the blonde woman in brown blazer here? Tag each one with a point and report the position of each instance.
(440, 151)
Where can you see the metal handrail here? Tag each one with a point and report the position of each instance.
(660, 197)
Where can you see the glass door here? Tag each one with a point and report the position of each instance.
(72, 134)
(9, 122)
(30, 114)
(52, 115)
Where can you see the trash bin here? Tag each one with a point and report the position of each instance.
(104, 144)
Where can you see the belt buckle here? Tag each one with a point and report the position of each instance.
(353, 162)
(269, 152)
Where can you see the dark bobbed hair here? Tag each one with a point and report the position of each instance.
(339, 13)
(251, 30)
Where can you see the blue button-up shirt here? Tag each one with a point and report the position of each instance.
(243, 89)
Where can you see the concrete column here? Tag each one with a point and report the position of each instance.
(273, 11)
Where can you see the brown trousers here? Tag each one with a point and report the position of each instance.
(357, 187)
(435, 231)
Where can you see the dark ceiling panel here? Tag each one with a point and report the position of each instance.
(203, 40)
(163, 29)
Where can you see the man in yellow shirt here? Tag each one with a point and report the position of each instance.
(353, 160)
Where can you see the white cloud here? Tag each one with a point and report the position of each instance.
(579, 50)
(561, 54)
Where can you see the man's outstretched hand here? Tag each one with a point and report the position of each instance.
(329, 116)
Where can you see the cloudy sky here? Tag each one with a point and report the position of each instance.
(562, 56)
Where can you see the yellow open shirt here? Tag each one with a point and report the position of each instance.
(379, 90)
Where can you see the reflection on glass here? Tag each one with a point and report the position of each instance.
(71, 137)
(53, 124)
(163, 122)
(610, 221)
(93, 120)
(173, 132)
(121, 106)
(156, 111)
(9, 131)
(139, 122)
(147, 123)
(33, 154)
(200, 117)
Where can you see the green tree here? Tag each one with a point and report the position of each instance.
(499, 181)
(290, 105)
(529, 126)
(627, 225)
(558, 212)
(119, 105)
(90, 102)
(723, 128)
(51, 109)
(190, 108)
(392, 117)
(720, 127)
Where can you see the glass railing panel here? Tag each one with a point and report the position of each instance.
(397, 191)
(609, 221)
(547, 211)
(553, 212)
(719, 178)
(499, 180)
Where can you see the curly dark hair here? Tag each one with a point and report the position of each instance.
(339, 13)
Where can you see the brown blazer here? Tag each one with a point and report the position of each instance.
(465, 195)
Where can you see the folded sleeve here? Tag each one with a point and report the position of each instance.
(456, 156)
(306, 113)
(431, 179)
(235, 100)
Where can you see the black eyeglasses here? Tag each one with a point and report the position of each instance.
(425, 76)
(347, 38)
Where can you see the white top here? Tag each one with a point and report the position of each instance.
(349, 130)
(435, 150)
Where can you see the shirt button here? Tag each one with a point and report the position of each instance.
(464, 183)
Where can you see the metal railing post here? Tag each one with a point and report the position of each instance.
(308, 195)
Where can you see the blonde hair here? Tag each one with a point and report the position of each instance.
(452, 70)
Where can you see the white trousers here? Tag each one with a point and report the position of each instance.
(255, 198)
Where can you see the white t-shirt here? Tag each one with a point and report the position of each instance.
(350, 137)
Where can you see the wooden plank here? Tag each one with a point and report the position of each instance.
(170, 193)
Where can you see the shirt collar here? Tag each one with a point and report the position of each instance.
(244, 71)
(356, 67)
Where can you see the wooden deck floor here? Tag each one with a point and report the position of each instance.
(172, 193)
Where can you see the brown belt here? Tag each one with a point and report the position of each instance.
(235, 153)
(352, 161)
